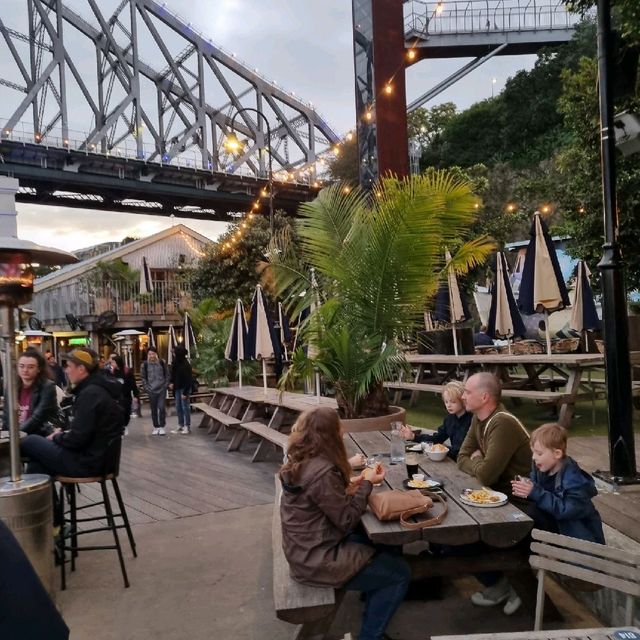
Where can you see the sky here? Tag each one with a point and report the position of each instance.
(306, 46)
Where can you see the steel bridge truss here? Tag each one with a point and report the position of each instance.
(84, 83)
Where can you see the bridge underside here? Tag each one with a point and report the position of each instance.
(68, 178)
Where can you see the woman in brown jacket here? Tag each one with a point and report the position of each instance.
(320, 508)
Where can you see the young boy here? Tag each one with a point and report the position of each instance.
(455, 425)
(560, 491)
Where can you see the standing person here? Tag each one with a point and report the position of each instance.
(181, 380)
(37, 403)
(155, 380)
(455, 425)
(97, 418)
(130, 390)
(495, 450)
(57, 372)
(320, 509)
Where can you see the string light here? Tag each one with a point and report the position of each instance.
(411, 54)
(388, 88)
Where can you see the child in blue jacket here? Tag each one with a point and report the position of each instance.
(559, 489)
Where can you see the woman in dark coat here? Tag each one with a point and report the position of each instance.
(320, 509)
(181, 379)
(130, 390)
(37, 401)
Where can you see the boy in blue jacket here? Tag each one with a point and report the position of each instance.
(559, 489)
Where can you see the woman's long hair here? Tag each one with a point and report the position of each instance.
(43, 369)
(315, 433)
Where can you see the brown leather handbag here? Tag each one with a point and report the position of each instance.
(401, 505)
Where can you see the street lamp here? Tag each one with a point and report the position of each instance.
(233, 145)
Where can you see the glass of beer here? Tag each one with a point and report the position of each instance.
(412, 460)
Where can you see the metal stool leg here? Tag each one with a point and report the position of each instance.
(73, 515)
(112, 524)
(125, 517)
(61, 549)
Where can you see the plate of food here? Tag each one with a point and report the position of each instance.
(484, 497)
(428, 483)
(414, 447)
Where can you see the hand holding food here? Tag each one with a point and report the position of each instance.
(358, 460)
(375, 475)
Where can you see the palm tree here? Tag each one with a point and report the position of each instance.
(378, 259)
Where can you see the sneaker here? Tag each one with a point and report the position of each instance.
(185, 431)
(177, 429)
(491, 596)
(512, 604)
(161, 431)
(126, 431)
(155, 431)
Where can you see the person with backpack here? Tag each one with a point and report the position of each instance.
(181, 382)
(124, 375)
(155, 380)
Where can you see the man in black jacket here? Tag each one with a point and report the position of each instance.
(97, 419)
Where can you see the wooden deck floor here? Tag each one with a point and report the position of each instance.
(176, 476)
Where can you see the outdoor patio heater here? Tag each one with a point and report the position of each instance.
(25, 500)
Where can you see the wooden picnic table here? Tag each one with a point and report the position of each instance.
(557, 378)
(499, 527)
(611, 633)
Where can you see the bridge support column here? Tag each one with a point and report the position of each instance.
(381, 105)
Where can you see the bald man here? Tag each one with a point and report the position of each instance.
(496, 448)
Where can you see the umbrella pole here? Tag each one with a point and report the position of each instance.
(317, 387)
(264, 374)
(240, 372)
(455, 341)
(509, 345)
(546, 326)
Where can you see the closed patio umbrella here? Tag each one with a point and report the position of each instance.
(504, 318)
(584, 316)
(450, 307)
(171, 344)
(285, 330)
(542, 289)
(146, 284)
(235, 349)
(189, 335)
(262, 339)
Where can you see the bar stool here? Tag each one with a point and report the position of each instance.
(70, 519)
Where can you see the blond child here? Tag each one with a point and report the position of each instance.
(560, 491)
(455, 425)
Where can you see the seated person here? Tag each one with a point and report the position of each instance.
(97, 418)
(495, 450)
(456, 423)
(559, 489)
(37, 402)
(320, 508)
(482, 338)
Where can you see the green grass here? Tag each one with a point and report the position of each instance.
(429, 412)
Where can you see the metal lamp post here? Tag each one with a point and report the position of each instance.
(233, 144)
(25, 501)
(614, 309)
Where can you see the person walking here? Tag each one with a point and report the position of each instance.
(124, 375)
(155, 380)
(180, 382)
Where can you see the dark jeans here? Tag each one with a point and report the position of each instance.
(384, 581)
(157, 403)
(182, 407)
(51, 459)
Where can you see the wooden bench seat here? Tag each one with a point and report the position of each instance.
(532, 394)
(268, 435)
(312, 607)
(214, 417)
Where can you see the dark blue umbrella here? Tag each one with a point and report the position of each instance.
(584, 316)
(235, 349)
(504, 318)
(262, 338)
(542, 289)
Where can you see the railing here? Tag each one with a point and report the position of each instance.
(469, 16)
(82, 298)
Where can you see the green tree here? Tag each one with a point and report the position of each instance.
(230, 268)
(426, 125)
(345, 165)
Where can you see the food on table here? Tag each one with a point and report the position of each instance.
(482, 496)
(439, 448)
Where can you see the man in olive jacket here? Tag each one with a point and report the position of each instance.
(496, 448)
(97, 418)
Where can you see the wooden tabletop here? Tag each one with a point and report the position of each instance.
(499, 527)
(566, 359)
(293, 401)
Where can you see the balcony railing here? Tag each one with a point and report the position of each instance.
(82, 298)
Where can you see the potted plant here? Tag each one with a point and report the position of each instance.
(377, 260)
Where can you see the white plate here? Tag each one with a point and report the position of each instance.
(429, 484)
(503, 499)
(415, 447)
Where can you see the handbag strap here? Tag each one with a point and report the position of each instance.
(430, 522)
